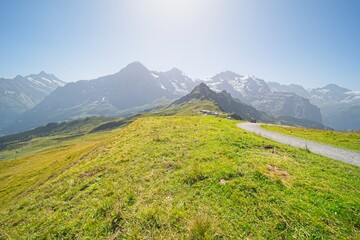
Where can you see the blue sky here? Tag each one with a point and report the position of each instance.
(309, 42)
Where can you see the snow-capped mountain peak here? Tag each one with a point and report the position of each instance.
(176, 71)
(44, 81)
(243, 87)
(227, 75)
(175, 81)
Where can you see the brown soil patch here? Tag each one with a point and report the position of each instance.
(90, 173)
(277, 171)
(171, 165)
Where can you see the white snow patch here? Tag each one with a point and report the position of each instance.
(246, 77)
(323, 90)
(37, 82)
(352, 96)
(353, 92)
(317, 97)
(59, 83)
(204, 80)
(239, 86)
(154, 75)
(214, 86)
(162, 86)
(258, 83)
(9, 92)
(183, 85)
(177, 89)
(47, 80)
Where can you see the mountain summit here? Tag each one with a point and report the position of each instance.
(20, 94)
(225, 102)
(201, 92)
(135, 67)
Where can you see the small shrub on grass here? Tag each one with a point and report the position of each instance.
(201, 228)
(194, 174)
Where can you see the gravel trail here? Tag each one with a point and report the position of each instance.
(340, 154)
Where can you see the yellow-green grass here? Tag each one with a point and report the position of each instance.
(70, 133)
(42, 144)
(178, 178)
(348, 140)
(188, 109)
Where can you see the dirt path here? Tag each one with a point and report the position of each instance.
(340, 154)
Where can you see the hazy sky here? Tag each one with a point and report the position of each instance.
(310, 42)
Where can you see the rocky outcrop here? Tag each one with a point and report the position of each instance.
(288, 104)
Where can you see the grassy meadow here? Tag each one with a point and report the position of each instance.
(67, 133)
(177, 177)
(347, 140)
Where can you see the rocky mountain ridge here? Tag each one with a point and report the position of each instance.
(339, 106)
(225, 102)
(135, 88)
(257, 92)
(20, 94)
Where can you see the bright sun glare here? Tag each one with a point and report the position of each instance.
(175, 8)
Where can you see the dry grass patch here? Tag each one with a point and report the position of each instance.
(277, 171)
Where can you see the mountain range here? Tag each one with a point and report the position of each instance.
(21, 94)
(225, 102)
(257, 93)
(340, 107)
(35, 100)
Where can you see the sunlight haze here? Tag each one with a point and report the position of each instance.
(305, 42)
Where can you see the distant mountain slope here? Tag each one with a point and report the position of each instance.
(225, 102)
(245, 88)
(202, 94)
(131, 90)
(20, 94)
(135, 89)
(259, 94)
(288, 104)
(292, 88)
(339, 106)
(174, 81)
(346, 119)
(291, 121)
(329, 93)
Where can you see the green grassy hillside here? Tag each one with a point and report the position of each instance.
(348, 140)
(191, 108)
(51, 136)
(178, 178)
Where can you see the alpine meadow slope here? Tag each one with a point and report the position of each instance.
(192, 177)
